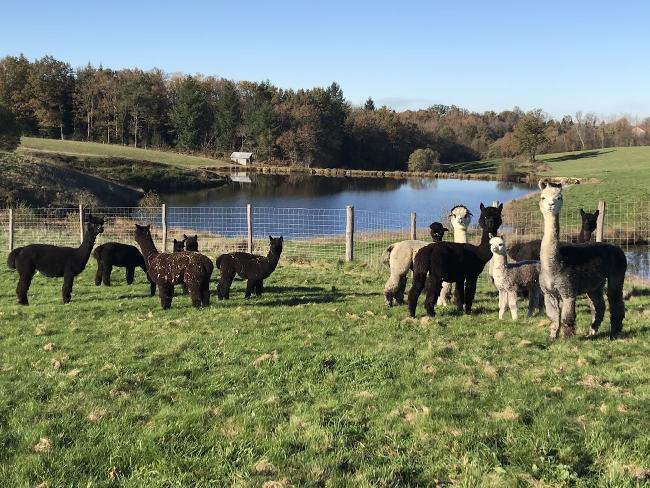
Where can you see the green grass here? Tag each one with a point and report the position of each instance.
(316, 384)
(79, 148)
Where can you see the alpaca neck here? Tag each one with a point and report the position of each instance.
(460, 235)
(272, 258)
(584, 236)
(549, 248)
(147, 247)
(86, 246)
(484, 251)
(499, 260)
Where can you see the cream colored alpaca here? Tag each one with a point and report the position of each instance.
(509, 278)
(459, 218)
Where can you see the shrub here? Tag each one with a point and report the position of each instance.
(9, 130)
(424, 160)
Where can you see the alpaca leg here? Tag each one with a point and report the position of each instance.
(205, 292)
(166, 293)
(568, 317)
(225, 281)
(152, 283)
(98, 274)
(259, 288)
(533, 299)
(432, 295)
(194, 289)
(68, 280)
(597, 306)
(250, 286)
(22, 288)
(459, 294)
(512, 303)
(502, 304)
(419, 279)
(445, 293)
(401, 288)
(390, 288)
(540, 301)
(470, 291)
(130, 275)
(106, 274)
(616, 306)
(551, 304)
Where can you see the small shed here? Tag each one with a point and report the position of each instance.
(243, 158)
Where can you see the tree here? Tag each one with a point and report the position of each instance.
(424, 160)
(530, 133)
(51, 83)
(369, 105)
(190, 113)
(15, 93)
(9, 130)
(85, 98)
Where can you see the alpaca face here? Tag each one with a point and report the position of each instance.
(550, 201)
(191, 242)
(142, 231)
(589, 220)
(437, 231)
(94, 225)
(276, 244)
(498, 246)
(179, 246)
(460, 217)
(490, 219)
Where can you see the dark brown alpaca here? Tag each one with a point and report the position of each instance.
(529, 250)
(123, 256)
(191, 268)
(251, 267)
(453, 262)
(54, 261)
(179, 246)
(191, 242)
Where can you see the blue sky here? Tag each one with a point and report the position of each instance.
(561, 56)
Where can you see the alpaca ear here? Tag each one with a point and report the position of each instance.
(482, 207)
(184, 236)
(281, 239)
(582, 212)
(271, 238)
(542, 184)
(490, 235)
(596, 213)
(500, 207)
(196, 236)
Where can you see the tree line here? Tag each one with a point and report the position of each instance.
(316, 126)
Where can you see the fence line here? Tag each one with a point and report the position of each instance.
(330, 234)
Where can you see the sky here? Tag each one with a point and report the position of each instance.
(561, 56)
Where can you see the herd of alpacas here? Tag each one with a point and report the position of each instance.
(551, 273)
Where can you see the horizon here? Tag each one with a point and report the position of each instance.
(498, 60)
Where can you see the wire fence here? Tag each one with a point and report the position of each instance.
(310, 234)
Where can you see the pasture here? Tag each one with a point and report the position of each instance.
(316, 383)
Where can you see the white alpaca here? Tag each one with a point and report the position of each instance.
(399, 258)
(459, 218)
(509, 278)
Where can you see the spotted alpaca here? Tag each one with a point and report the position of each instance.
(192, 268)
(251, 267)
(122, 256)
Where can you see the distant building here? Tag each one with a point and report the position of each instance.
(638, 131)
(243, 158)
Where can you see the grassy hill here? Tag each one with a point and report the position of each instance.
(317, 383)
(79, 148)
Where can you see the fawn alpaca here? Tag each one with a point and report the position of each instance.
(54, 261)
(251, 267)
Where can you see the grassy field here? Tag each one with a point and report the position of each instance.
(80, 148)
(314, 384)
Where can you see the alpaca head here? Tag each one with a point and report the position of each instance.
(94, 225)
(460, 217)
(143, 232)
(276, 244)
(550, 201)
(179, 246)
(191, 242)
(497, 245)
(490, 219)
(437, 231)
(589, 220)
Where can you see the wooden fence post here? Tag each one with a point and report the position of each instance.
(413, 226)
(249, 225)
(81, 223)
(11, 229)
(163, 217)
(600, 221)
(349, 233)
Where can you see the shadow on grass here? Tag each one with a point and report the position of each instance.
(573, 157)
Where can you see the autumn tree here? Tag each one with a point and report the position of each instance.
(530, 133)
(424, 160)
(51, 83)
(9, 130)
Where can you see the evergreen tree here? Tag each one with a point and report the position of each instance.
(189, 113)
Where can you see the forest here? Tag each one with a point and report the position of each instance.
(316, 127)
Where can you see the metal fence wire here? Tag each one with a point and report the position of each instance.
(309, 234)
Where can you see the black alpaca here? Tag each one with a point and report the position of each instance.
(191, 243)
(251, 267)
(179, 246)
(529, 250)
(123, 256)
(191, 268)
(54, 261)
(453, 263)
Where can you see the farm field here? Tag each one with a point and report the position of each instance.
(317, 383)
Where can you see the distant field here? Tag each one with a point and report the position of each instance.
(112, 150)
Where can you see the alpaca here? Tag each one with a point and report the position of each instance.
(455, 263)
(54, 261)
(399, 258)
(569, 270)
(460, 217)
(123, 256)
(509, 278)
(251, 267)
(521, 251)
(179, 246)
(191, 242)
(192, 268)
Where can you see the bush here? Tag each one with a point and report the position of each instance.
(424, 160)
(9, 130)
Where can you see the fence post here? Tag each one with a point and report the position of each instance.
(11, 229)
(81, 223)
(413, 226)
(600, 221)
(249, 226)
(349, 233)
(163, 218)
